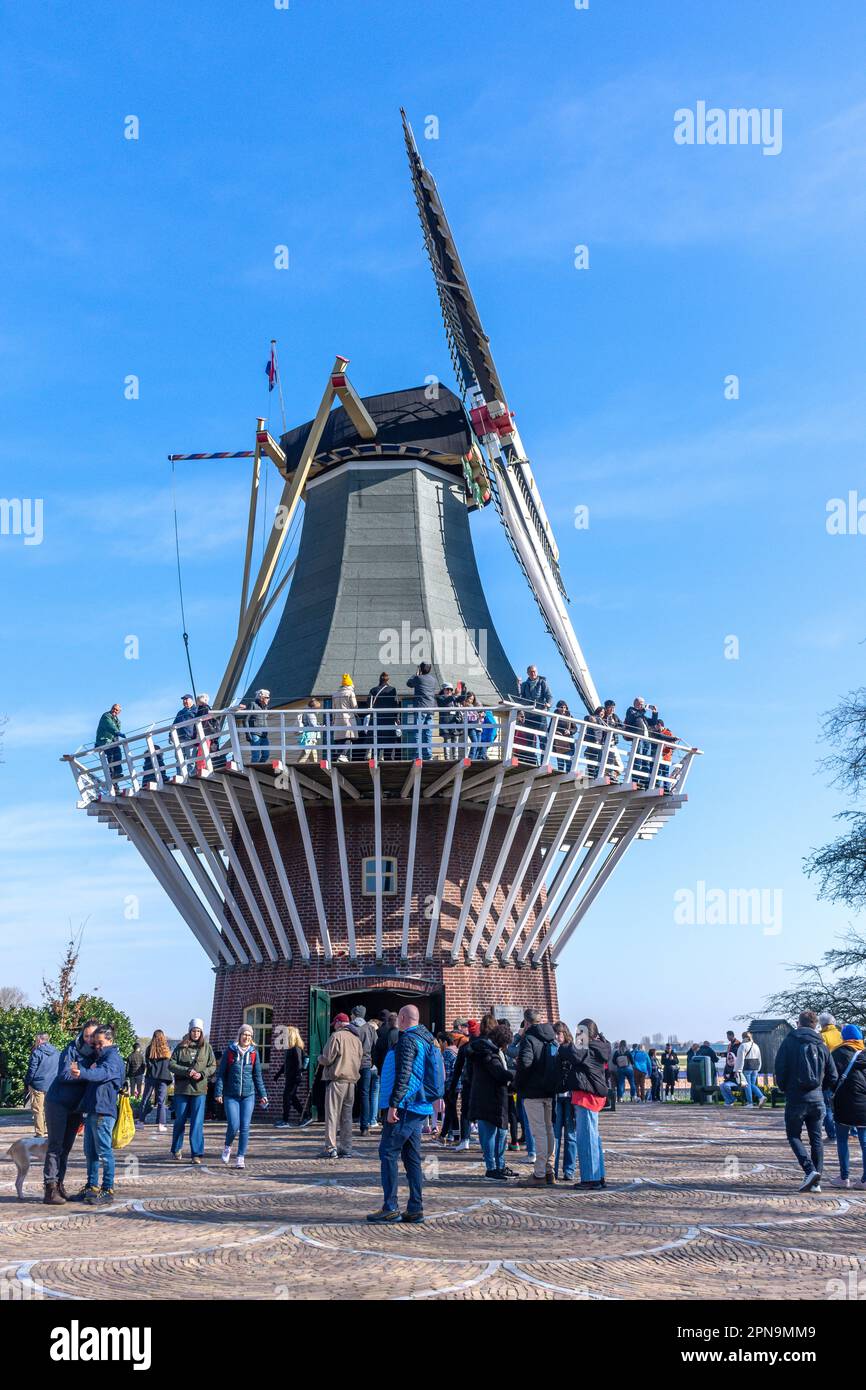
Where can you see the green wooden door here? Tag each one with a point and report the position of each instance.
(320, 1026)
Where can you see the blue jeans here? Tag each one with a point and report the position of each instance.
(97, 1149)
(527, 1132)
(492, 1145)
(160, 1088)
(621, 1075)
(809, 1113)
(188, 1108)
(829, 1122)
(590, 1154)
(238, 1116)
(259, 744)
(374, 1096)
(402, 1140)
(365, 1093)
(751, 1089)
(564, 1127)
(424, 738)
(842, 1133)
(727, 1090)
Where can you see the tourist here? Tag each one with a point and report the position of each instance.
(610, 716)
(64, 1101)
(537, 1082)
(367, 1037)
(108, 731)
(524, 1137)
(239, 1082)
(804, 1071)
(383, 723)
(730, 1075)
(748, 1064)
(706, 1050)
(209, 730)
(135, 1069)
(564, 1129)
(849, 1099)
(184, 722)
(461, 1082)
(292, 1072)
(655, 1075)
(341, 1068)
(192, 1064)
(473, 724)
(488, 1103)
(408, 1091)
(450, 1122)
(670, 1070)
(343, 727)
(450, 720)
(157, 1079)
(104, 1076)
(374, 1081)
(310, 731)
(563, 740)
(624, 1064)
(41, 1071)
(423, 687)
(590, 1054)
(833, 1039)
(535, 690)
(257, 722)
(642, 1068)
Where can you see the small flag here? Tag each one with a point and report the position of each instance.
(271, 368)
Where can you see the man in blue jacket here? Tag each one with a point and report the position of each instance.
(105, 1077)
(41, 1071)
(64, 1100)
(403, 1095)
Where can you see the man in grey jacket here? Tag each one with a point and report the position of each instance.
(423, 687)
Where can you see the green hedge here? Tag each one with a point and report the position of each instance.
(18, 1028)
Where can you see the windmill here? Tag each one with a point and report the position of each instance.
(327, 856)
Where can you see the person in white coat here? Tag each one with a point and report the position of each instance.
(343, 727)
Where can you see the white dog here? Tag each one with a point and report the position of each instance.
(23, 1153)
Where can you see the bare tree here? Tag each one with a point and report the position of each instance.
(58, 994)
(840, 867)
(11, 997)
(837, 984)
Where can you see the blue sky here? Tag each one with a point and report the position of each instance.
(154, 257)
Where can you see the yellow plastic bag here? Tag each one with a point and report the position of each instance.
(124, 1126)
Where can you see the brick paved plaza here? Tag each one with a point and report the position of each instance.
(701, 1204)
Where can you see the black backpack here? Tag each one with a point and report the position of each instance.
(809, 1070)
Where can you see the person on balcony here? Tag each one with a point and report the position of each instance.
(343, 727)
(257, 723)
(450, 721)
(383, 721)
(536, 694)
(563, 739)
(423, 687)
(310, 735)
(611, 718)
(210, 729)
(184, 722)
(594, 740)
(108, 732)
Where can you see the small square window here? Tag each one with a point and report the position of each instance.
(260, 1018)
(389, 876)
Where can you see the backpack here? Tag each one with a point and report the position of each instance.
(809, 1072)
(433, 1083)
(551, 1068)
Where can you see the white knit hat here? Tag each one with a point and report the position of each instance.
(196, 1023)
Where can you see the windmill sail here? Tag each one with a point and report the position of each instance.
(512, 481)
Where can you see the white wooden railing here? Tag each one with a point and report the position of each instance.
(235, 738)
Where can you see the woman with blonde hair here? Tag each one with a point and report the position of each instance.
(293, 1071)
(157, 1079)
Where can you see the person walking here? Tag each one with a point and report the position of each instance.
(492, 1079)
(537, 1082)
(590, 1055)
(655, 1075)
(238, 1083)
(41, 1071)
(748, 1066)
(292, 1072)
(64, 1100)
(832, 1038)
(804, 1071)
(135, 1070)
(104, 1076)
(461, 1082)
(450, 1121)
(192, 1064)
(849, 1099)
(642, 1067)
(367, 1037)
(157, 1079)
(670, 1071)
(341, 1069)
(413, 1077)
(564, 1128)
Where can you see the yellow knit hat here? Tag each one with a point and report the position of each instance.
(347, 680)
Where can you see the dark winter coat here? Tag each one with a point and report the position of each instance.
(849, 1097)
(491, 1082)
(108, 729)
(536, 692)
(461, 1075)
(158, 1069)
(409, 1071)
(387, 1038)
(534, 1079)
(135, 1064)
(585, 1067)
(424, 690)
(105, 1077)
(383, 701)
(42, 1067)
(292, 1069)
(65, 1089)
(804, 1051)
(366, 1035)
(240, 1074)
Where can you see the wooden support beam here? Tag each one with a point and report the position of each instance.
(477, 860)
(344, 865)
(499, 868)
(204, 881)
(522, 870)
(301, 812)
(446, 855)
(238, 868)
(573, 888)
(414, 779)
(354, 406)
(447, 777)
(255, 861)
(220, 878)
(549, 858)
(377, 845)
(279, 866)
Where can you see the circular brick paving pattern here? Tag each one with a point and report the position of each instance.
(701, 1204)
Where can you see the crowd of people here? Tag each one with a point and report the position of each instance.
(400, 727)
(537, 1091)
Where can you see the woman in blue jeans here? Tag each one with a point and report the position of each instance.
(157, 1079)
(849, 1100)
(239, 1082)
(492, 1080)
(564, 1124)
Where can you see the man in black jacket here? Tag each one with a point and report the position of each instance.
(536, 1083)
(804, 1071)
(366, 1034)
